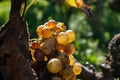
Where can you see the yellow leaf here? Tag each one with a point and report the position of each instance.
(75, 3)
(72, 3)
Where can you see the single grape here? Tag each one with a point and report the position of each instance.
(69, 48)
(46, 32)
(62, 38)
(51, 40)
(54, 65)
(71, 35)
(38, 30)
(77, 69)
(47, 48)
(35, 45)
(51, 24)
(38, 55)
(64, 58)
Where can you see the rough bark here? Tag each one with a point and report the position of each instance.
(114, 51)
(14, 48)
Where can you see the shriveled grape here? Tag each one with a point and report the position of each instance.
(69, 48)
(47, 48)
(38, 55)
(64, 58)
(51, 40)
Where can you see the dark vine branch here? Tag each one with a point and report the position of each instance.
(14, 48)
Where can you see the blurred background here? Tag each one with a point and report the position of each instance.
(92, 36)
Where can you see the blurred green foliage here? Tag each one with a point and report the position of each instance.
(4, 11)
(88, 47)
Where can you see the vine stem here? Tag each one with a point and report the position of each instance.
(24, 8)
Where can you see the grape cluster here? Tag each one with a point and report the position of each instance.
(52, 52)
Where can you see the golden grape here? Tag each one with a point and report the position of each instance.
(54, 65)
(51, 24)
(46, 32)
(71, 35)
(62, 38)
(38, 30)
(77, 69)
